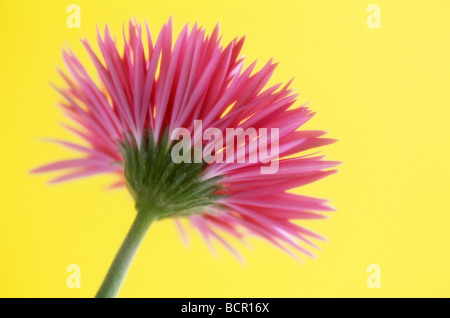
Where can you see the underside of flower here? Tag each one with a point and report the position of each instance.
(163, 188)
(151, 90)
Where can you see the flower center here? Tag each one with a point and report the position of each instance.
(162, 187)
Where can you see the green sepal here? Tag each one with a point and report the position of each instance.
(162, 187)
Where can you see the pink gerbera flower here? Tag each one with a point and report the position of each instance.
(128, 119)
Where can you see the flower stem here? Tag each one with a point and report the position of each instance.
(122, 261)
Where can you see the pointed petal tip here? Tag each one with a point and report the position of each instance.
(217, 27)
(317, 247)
(33, 171)
(114, 186)
(299, 260)
(53, 182)
(45, 139)
(52, 85)
(186, 243)
(333, 171)
(242, 261)
(329, 207)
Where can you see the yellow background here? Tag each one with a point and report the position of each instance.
(384, 93)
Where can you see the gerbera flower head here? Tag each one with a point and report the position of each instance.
(145, 94)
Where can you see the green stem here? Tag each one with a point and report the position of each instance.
(122, 261)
